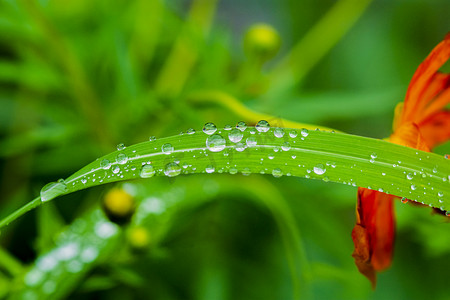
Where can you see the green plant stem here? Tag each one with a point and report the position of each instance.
(10, 263)
(317, 42)
(231, 103)
(185, 51)
(21, 211)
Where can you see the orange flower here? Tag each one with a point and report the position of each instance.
(420, 122)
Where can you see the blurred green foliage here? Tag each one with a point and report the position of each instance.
(78, 77)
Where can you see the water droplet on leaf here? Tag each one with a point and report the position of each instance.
(293, 133)
(235, 135)
(52, 190)
(251, 141)
(216, 143)
(190, 131)
(277, 173)
(209, 128)
(304, 132)
(210, 169)
(147, 171)
(172, 169)
(319, 169)
(121, 158)
(241, 126)
(105, 164)
(262, 126)
(286, 146)
(167, 148)
(278, 132)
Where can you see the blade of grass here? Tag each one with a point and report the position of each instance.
(327, 156)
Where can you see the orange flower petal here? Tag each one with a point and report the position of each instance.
(373, 234)
(439, 91)
(416, 96)
(408, 135)
(436, 129)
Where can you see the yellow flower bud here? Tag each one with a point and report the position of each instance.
(138, 238)
(118, 205)
(261, 41)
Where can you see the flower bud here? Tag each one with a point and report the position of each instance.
(138, 238)
(118, 205)
(262, 42)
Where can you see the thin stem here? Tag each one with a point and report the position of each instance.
(10, 263)
(318, 41)
(185, 51)
(248, 115)
(21, 211)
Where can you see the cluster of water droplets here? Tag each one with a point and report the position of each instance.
(225, 150)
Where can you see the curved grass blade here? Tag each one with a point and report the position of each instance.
(327, 156)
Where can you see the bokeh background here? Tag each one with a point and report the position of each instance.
(79, 77)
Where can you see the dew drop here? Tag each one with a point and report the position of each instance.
(413, 187)
(105, 164)
(216, 143)
(120, 147)
(404, 200)
(262, 126)
(251, 141)
(240, 147)
(147, 171)
(286, 146)
(241, 126)
(122, 158)
(235, 135)
(209, 128)
(440, 194)
(152, 138)
(435, 169)
(167, 148)
(304, 132)
(190, 131)
(210, 169)
(409, 176)
(271, 156)
(52, 190)
(246, 172)
(252, 131)
(278, 132)
(277, 173)
(293, 133)
(373, 155)
(319, 169)
(116, 169)
(172, 169)
(83, 180)
(233, 170)
(227, 127)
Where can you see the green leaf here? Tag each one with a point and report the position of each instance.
(326, 156)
